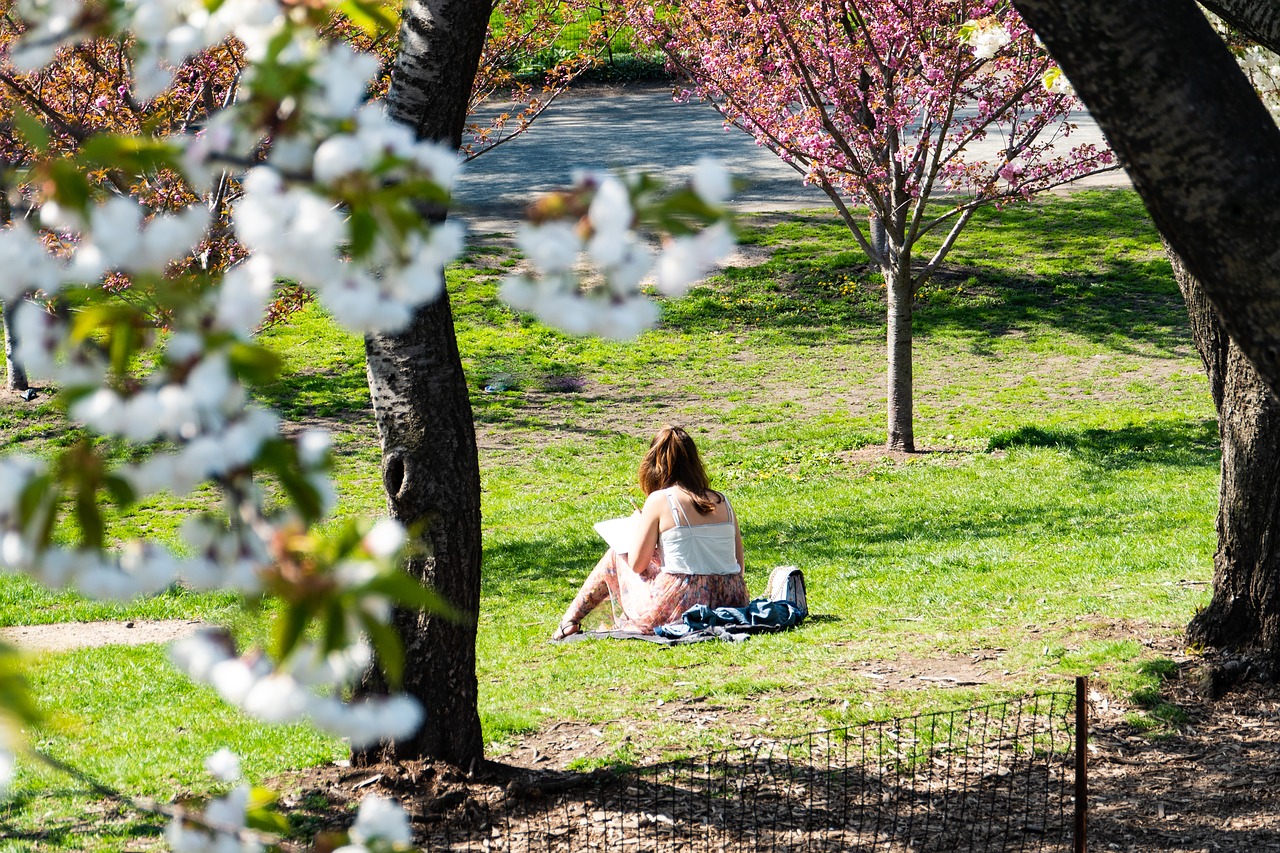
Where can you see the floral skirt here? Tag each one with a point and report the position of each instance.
(644, 600)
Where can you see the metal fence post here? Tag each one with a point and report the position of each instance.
(1082, 764)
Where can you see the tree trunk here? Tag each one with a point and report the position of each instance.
(898, 287)
(1260, 21)
(878, 236)
(431, 475)
(1245, 610)
(430, 467)
(16, 372)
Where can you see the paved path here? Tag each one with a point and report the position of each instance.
(641, 127)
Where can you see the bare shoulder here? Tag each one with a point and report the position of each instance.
(657, 500)
(719, 506)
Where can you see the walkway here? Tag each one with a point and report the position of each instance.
(641, 127)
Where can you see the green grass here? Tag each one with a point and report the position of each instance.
(131, 721)
(1065, 507)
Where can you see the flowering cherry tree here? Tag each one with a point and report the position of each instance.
(880, 103)
(330, 197)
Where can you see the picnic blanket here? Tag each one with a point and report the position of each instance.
(701, 624)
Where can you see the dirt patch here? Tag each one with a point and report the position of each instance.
(879, 454)
(971, 670)
(64, 636)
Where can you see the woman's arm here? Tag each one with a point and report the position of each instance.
(737, 545)
(647, 527)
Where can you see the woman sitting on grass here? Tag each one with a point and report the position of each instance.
(687, 542)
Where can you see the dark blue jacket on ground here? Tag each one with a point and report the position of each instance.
(760, 616)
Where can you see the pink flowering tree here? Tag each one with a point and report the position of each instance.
(882, 103)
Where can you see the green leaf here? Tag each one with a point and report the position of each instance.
(15, 691)
(364, 231)
(267, 821)
(261, 798)
(335, 626)
(281, 459)
(132, 154)
(122, 346)
(258, 814)
(70, 185)
(254, 363)
(291, 625)
(679, 212)
(33, 496)
(386, 642)
(303, 495)
(373, 17)
(120, 490)
(338, 544)
(89, 515)
(30, 129)
(93, 318)
(407, 592)
(412, 192)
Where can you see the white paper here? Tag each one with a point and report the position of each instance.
(619, 533)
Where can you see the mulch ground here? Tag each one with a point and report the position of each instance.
(1214, 784)
(1210, 784)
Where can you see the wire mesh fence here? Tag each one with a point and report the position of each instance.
(995, 777)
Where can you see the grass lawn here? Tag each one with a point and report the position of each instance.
(1061, 520)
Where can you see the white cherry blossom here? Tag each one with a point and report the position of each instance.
(381, 819)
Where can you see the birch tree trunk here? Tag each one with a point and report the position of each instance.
(1245, 611)
(430, 468)
(17, 374)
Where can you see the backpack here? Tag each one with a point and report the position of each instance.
(786, 583)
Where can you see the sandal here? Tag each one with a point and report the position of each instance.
(566, 629)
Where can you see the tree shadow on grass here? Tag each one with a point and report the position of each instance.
(1128, 305)
(1123, 306)
(1011, 793)
(543, 566)
(1182, 443)
(555, 567)
(100, 818)
(316, 393)
(1100, 275)
(991, 777)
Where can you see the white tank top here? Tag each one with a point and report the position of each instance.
(699, 549)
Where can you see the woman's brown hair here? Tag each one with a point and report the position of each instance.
(673, 460)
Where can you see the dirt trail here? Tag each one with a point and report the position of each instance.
(64, 636)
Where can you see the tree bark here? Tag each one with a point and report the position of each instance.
(430, 467)
(17, 374)
(1245, 611)
(900, 297)
(877, 235)
(1201, 149)
(1260, 21)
